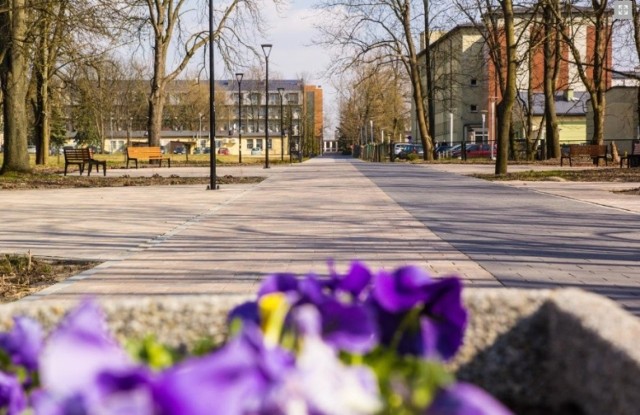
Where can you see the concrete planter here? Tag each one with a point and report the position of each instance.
(539, 351)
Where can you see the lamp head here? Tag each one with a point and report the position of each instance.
(239, 76)
(280, 91)
(266, 49)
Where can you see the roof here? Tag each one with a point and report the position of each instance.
(578, 106)
(448, 34)
(258, 85)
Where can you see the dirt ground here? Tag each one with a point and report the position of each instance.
(55, 181)
(21, 275)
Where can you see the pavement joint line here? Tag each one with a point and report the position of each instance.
(141, 247)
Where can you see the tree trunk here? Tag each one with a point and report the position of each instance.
(505, 107)
(418, 94)
(42, 120)
(428, 74)
(598, 122)
(551, 63)
(158, 93)
(13, 72)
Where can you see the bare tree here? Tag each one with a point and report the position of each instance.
(14, 69)
(506, 104)
(374, 94)
(64, 32)
(383, 33)
(593, 68)
(169, 25)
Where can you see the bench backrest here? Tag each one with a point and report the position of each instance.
(592, 150)
(77, 154)
(142, 152)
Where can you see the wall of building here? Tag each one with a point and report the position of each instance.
(460, 84)
(621, 117)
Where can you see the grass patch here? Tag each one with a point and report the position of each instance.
(590, 175)
(22, 275)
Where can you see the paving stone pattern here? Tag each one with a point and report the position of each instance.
(184, 240)
(528, 236)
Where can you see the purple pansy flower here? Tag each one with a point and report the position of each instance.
(465, 399)
(78, 351)
(238, 379)
(246, 312)
(12, 398)
(23, 343)
(346, 326)
(429, 312)
(354, 282)
(114, 393)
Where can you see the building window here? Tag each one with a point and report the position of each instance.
(473, 108)
(292, 98)
(474, 82)
(249, 143)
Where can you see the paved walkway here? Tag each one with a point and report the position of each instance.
(185, 240)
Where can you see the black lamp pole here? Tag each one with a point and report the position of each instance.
(266, 49)
(212, 106)
(281, 92)
(239, 79)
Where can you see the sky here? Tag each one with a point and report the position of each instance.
(291, 33)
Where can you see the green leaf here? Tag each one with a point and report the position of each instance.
(407, 383)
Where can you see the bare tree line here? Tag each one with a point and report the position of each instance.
(382, 32)
(48, 45)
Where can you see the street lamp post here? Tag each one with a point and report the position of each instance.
(371, 125)
(111, 132)
(484, 119)
(281, 92)
(212, 107)
(266, 49)
(239, 76)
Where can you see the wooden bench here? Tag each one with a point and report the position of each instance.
(82, 157)
(593, 151)
(148, 153)
(633, 159)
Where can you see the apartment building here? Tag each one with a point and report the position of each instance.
(295, 116)
(467, 86)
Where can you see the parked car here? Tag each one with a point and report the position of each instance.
(178, 150)
(223, 151)
(474, 151)
(445, 151)
(400, 147)
(206, 150)
(411, 149)
(31, 149)
(256, 151)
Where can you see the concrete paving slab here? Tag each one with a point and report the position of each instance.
(184, 240)
(226, 241)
